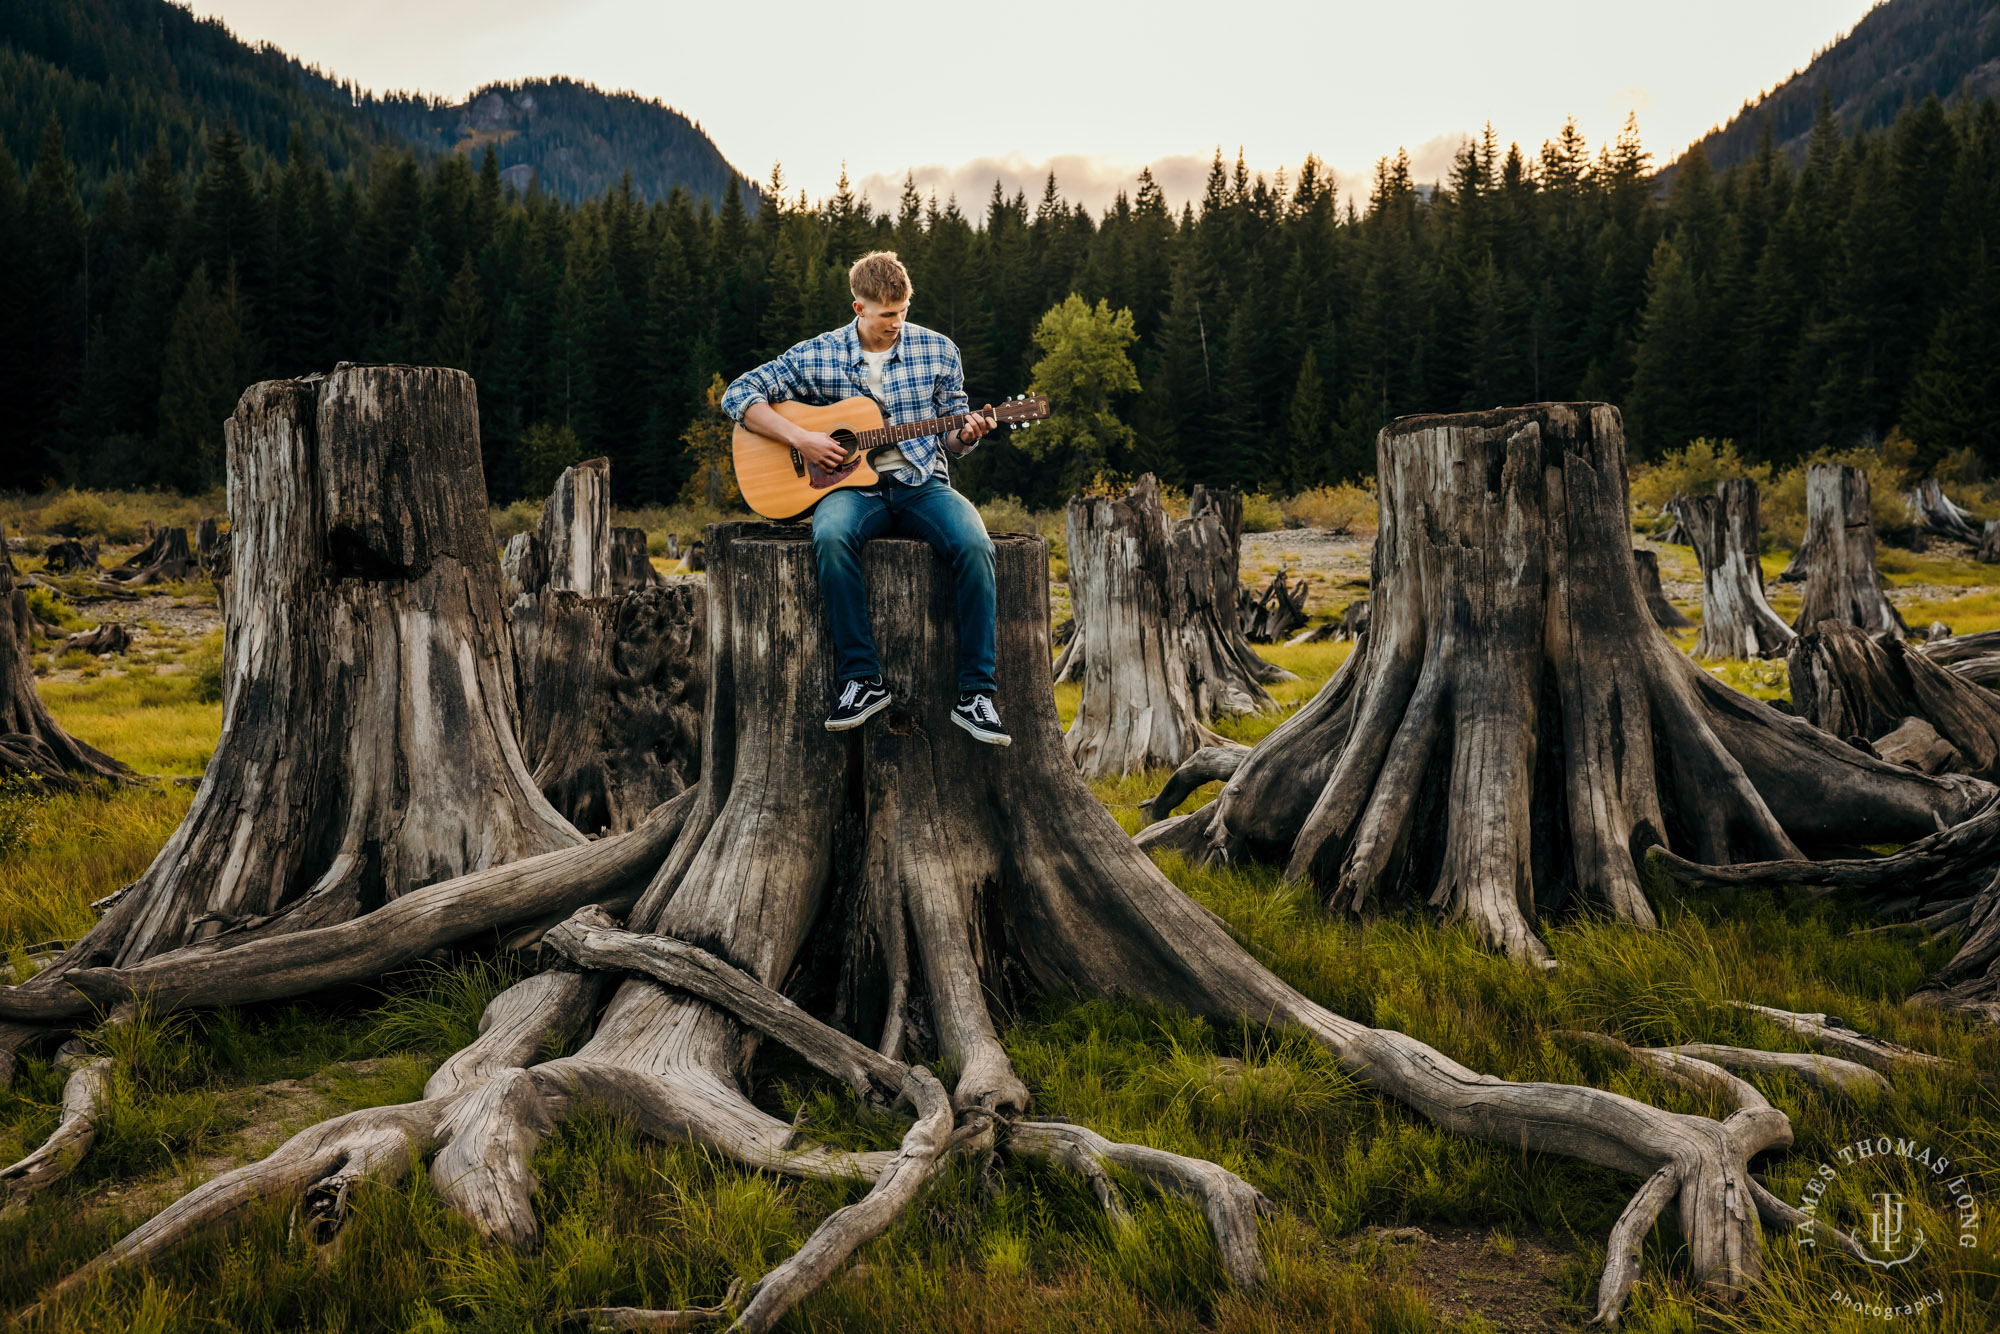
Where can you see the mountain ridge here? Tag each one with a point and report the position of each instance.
(1900, 51)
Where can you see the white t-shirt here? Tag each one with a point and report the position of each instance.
(890, 462)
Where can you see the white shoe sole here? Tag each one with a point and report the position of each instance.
(862, 716)
(990, 738)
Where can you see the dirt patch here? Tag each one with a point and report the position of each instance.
(1511, 1284)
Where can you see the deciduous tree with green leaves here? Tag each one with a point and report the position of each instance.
(1084, 367)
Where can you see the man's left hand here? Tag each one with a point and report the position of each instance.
(976, 425)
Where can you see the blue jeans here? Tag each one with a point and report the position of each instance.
(846, 520)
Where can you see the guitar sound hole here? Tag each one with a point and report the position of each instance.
(843, 437)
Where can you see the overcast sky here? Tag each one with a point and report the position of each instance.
(960, 93)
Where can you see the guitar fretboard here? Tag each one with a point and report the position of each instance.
(895, 435)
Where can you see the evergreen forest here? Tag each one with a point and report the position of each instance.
(1789, 305)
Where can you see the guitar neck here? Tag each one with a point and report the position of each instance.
(895, 435)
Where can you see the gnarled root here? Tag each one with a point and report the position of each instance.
(1210, 764)
(322, 1164)
(610, 870)
(84, 1095)
(1231, 1204)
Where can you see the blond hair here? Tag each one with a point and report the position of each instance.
(880, 277)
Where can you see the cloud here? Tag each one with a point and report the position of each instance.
(1090, 179)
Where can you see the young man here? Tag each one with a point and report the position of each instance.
(915, 374)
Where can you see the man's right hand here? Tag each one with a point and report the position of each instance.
(821, 450)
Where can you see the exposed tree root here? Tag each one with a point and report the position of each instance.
(905, 858)
(1694, 1063)
(611, 870)
(84, 1095)
(1210, 764)
(1628, 1239)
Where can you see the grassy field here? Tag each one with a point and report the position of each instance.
(1513, 1241)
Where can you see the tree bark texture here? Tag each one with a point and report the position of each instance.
(1931, 511)
(1842, 583)
(1846, 683)
(1989, 542)
(1514, 730)
(913, 885)
(1224, 672)
(609, 668)
(368, 744)
(1736, 621)
(1138, 709)
(1665, 614)
(31, 741)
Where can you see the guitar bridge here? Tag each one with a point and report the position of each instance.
(798, 464)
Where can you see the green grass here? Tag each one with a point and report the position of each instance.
(629, 1221)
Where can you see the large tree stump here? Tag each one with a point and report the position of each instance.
(1989, 543)
(31, 741)
(1842, 583)
(1931, 511)
(1138, 709)
(1736, 621)
(631, 564)
(1514, 730)
(165, 558)
(1847, 684)
(368, 742)
(609, 669)
(913, 887)
(1665, 614)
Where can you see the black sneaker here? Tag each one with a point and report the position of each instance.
(976, 714)
(859, 701)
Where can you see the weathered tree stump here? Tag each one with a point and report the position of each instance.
(31, 741)
(1989, 543)
(1931, 511)
(1138, 709)
(165, 558)
(631, 563)
(1736, 621)
(1272, 615)
(1842, 583)
(211, 550)
(609, 671)
(1846, 683)
(368, 742)
(1514, 730)
(109, 637)
(70, 556)
(1225, 673)
(1665, 614)
(912, 886)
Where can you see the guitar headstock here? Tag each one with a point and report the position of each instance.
(1022, 411)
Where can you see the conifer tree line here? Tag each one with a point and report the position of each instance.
(1789, 306)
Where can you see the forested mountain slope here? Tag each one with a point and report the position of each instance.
(1900, 53)
(123, 75)
(576, 138)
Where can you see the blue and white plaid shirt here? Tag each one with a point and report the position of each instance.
(923, 378)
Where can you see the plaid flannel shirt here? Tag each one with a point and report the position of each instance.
(923, 378)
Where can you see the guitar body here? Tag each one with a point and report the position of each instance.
(776, 480)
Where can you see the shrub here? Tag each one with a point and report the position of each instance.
(1336, 509)
(51, 606)
(1261, 514)
(519, 517)
(1693, 471)
(1008, 515)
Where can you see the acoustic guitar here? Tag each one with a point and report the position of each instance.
(780, 483)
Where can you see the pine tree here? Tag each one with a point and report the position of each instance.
(1308, 429)
(1084, 369)
(204, 371)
